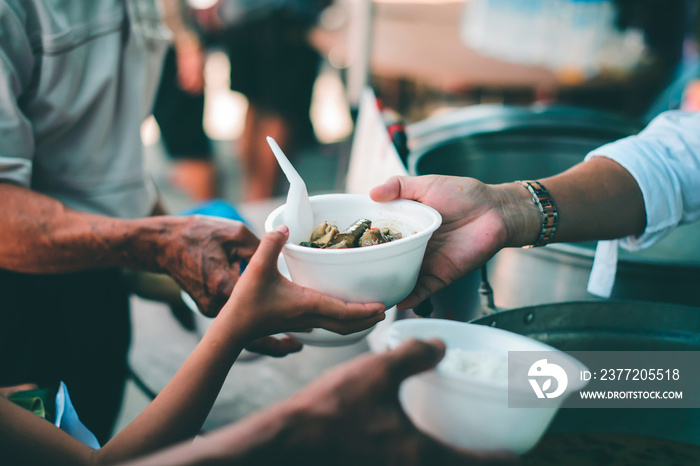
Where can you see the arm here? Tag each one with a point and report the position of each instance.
(638, 188)
(42, 235)
(351, 415)
(596, 199)
(263, 303)
(664, 160)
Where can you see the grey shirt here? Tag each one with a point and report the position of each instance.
(77, 78)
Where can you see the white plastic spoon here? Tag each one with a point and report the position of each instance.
(298, 215)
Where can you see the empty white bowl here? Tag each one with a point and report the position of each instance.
(470, 410)
(383, 273)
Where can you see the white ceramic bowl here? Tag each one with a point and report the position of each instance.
(471, 410)
(383, 273)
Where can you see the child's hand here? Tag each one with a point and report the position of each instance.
(266, 303)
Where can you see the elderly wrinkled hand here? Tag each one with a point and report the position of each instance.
(203, 255)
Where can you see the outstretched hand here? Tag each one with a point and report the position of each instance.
(353, 414)
(473, 227)
(266, 303)
(350, 415)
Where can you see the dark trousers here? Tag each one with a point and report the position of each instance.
(180, 116)
(72, 327)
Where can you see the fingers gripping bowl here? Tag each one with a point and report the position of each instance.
(465, 400)
(383, 273)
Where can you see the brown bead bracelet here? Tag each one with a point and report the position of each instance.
(543, 200)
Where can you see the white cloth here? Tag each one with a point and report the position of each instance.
(664, 159)
(76, 80)
(602, 278)
(373, 158)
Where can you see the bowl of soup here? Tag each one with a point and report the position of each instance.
(383, 272)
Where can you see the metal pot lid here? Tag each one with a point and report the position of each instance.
(495, 117)
(604, 325)
(576, 434)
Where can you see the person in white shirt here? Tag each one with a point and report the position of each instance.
(636, 189)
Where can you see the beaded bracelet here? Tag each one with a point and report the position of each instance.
(543, 200)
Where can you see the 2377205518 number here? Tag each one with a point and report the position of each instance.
(639, 374)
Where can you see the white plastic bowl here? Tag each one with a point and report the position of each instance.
(320, 336)
(383, 273)
(472, 412)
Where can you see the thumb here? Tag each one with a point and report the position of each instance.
(270, 247)
(389, 191)
(412, 357)
(413, 188)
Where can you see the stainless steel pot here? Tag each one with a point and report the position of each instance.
(613, 326)
(533, 142)
(498, 144)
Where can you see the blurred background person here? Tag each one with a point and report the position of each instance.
(272, 64)
(275, 67)
(179, 106)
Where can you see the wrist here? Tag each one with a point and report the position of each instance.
(521, 217)
(225, 340)
(233, 314)
(146, 243)
(266, 437)
(232, 329)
